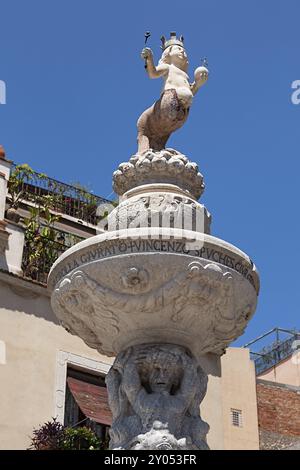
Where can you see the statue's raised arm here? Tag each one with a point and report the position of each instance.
(153, 71)
(170, 112)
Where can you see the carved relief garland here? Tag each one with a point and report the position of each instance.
(85, 305)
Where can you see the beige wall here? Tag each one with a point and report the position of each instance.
(32, 375)
(28, 379)
(211, 407)
(239, 392)
(286, 372)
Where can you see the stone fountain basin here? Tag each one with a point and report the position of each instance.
(125, 288)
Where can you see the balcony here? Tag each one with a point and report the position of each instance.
(37, 262)
(72, 201)
(285, 344)
(53, 216)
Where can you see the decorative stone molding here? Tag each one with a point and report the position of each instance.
(164, 166)
(160, 209)
(64, 359)
(154, 240)
(81, 306)
(135, 280)
(196, 304)
(155, 391)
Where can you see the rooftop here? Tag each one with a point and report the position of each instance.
(272, 347)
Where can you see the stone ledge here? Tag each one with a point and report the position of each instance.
(270, 383)
(215, 249)
(23, 282)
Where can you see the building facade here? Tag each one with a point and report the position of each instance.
(278, 390)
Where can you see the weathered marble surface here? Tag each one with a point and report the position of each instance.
(159, 205)
(139, 294)
(171, 110)
(155, 391)
(164, 166)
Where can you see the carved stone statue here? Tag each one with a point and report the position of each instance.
(170, 112)
(127, 306)
(154, 394)
(156, 290)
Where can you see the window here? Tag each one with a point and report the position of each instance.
(236, 417)
(86, 402)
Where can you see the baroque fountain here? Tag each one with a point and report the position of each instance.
(156, 290)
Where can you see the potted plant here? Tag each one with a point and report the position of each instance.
(81, 438)
(54, 436)
(48, 437)
(21, 174)
(40, 236)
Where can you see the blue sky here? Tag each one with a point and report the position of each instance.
(76, 86)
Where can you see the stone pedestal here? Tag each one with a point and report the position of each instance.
(158, 292)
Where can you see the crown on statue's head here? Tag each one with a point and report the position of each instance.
(173, 41)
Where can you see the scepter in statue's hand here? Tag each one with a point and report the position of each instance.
(147, 36)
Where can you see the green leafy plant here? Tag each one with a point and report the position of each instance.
(80, 438)
(54, 436)
(40, 236)
(21, 174)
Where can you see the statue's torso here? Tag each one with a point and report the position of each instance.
(178, 80)
(158, 407)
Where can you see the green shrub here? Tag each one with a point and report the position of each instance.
(54, 436)
(80, 438)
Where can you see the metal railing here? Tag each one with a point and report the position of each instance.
(38, 259)
(70, 200)
(275, 352)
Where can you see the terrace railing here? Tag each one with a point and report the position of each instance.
(274, 353)
(38, 260)
(70, 200)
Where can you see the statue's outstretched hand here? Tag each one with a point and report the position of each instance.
(146, 53)
(201, 75)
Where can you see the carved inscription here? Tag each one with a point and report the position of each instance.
(164, 246)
